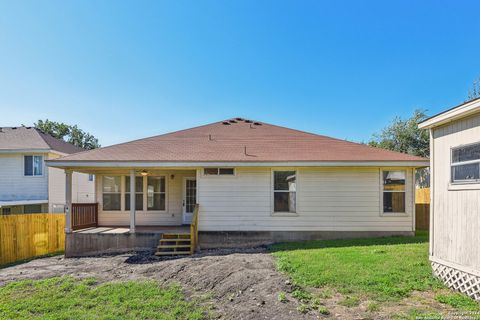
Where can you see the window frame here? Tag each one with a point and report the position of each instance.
(121, 192)
(405, 191)
(126, 194)
(42, 165)
(472, 182)
(145, 196)
(272, 194)
(218, 172)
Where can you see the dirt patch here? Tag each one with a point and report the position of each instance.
(238, 284)
(241, 284)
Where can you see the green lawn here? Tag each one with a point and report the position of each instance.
(67, 298)
(383, 269)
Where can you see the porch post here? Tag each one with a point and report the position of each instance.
(68, 201)
(132, 201)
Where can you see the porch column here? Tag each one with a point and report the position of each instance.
(132, 201)
(68, 201)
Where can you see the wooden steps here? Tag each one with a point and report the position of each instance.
(172, 244)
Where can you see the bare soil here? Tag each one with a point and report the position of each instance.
(241, 284)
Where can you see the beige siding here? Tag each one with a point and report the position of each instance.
(174, 208)
(328, 199)
(83, 191)
(456, 218)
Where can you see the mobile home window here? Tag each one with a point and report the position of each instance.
(33, 165)
(138, 193)
(219, 171)
(284, 191)
(394, 191)
(465, 167)
(156, 193)
(111, 193)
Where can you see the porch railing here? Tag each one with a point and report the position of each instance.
(194, 230)
(84, 215)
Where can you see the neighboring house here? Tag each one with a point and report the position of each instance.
(254, 183)
(455, 196)
(26, 184)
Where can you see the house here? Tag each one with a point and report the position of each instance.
(27, 185)
(254, 182)
(455, 196)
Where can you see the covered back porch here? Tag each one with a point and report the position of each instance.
(134, 209)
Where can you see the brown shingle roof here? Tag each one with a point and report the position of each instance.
(239, 141)
(29, 138)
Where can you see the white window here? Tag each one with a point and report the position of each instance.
(138, 193)
(465, 166)
(33, 165)
(219, 171)
(393, 191)
(90, 177)
(156, 199)
(111, 193)
(284, 191)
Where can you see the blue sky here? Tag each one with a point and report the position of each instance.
(129, 69)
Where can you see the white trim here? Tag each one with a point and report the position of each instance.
(453, 185)
(392, 214)
(184, 197)
(218, 172)
(165, 177)
(455, 265)
(432, 190)
(464, 186)
(21, 202)
(44, 167)
(274, 213)
(26, 151)
(461, 111)
(193, 165)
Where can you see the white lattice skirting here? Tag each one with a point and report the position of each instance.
(455, 279)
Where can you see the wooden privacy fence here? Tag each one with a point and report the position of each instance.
(24, 236)
(422, 209)
(84, 215)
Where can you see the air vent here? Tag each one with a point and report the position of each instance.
(239, 119)
(226, 123)
(14, 128)
(232, 121)
(248, 121)
(257, 123)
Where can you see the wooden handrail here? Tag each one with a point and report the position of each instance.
(194, 230)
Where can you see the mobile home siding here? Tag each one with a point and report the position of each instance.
(328, 199)
(456, 222)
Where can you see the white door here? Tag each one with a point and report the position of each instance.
(189, 199)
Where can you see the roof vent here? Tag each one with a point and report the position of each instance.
(28, 127)
(232, 121)
(257, 123)
(239, 119)
(248, 121)
(14, 128)
(226, 123)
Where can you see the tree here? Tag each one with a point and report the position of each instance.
(405, 136)
(474, 91)
(68, 133)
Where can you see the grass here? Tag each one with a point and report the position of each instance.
(458, 301)
(383, 269)
(68, 298)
